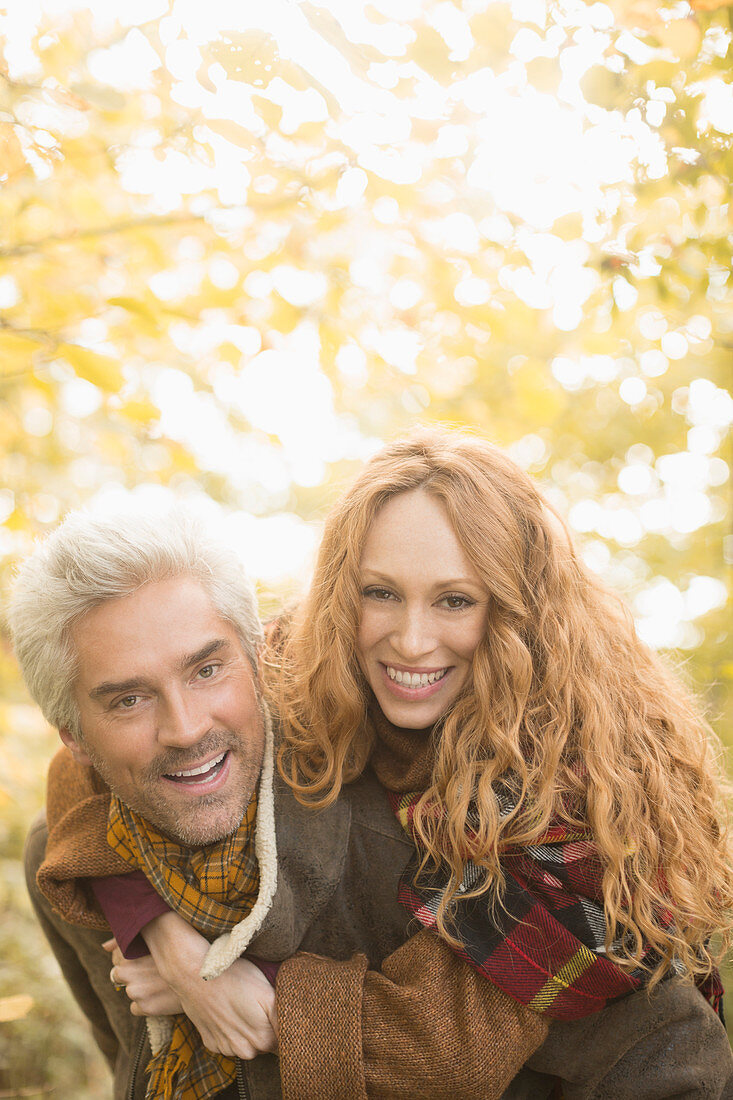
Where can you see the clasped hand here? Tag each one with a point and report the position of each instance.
(234, 1014)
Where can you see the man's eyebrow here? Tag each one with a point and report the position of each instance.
(110, 687)
(216, 646)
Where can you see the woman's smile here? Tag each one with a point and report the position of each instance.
(415, 683)
(414, 677)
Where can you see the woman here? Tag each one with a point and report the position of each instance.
(545, 762)
(556, 780)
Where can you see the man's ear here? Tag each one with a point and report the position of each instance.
(74, 747)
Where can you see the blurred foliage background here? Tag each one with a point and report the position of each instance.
(243, 243)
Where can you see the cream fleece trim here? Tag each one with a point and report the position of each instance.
(230, 945)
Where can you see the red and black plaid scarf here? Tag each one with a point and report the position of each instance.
(545, 946)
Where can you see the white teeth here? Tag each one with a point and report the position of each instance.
(204, 767)
(415, 679)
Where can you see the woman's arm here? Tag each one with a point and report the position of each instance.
(426, 1025)
(429, 1025)
(235, 1013)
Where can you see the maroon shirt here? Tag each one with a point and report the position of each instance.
(129, 902)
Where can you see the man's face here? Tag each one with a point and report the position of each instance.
(170, 716)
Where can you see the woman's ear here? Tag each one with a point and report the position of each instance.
(74, 747)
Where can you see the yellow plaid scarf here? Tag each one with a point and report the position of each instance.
(213, 889)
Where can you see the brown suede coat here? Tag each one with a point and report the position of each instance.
(423, 1025)
(336, 897)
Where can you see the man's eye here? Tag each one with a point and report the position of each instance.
(207, 672)
(128, 702)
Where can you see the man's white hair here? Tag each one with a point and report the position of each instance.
(89, 559)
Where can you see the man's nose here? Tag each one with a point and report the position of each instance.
(182, 721)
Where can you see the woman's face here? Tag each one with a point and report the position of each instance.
(424, 610)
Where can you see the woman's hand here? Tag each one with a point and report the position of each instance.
(235, 1013)
(149, 993)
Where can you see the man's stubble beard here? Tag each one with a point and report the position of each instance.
(193, 833)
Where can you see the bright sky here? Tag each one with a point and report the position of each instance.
(568, 155)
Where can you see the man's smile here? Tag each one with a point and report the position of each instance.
(205, 775)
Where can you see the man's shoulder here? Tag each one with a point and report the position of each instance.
(371, 810)
(362, 805)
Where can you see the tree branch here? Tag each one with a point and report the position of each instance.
(154, 220)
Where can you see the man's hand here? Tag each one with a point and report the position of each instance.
(234, 1014)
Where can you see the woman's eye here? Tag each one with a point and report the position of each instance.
(457, 603)
(380, 594)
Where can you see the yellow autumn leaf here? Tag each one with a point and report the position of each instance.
(140, 412)
(146, 318)
(331, 340)
(10, 431)
(311, 132)
(98, 95)
(682, 36)
(358, 55)
(68, 99)
(15, 352)
(100, 370)
(15, 1008)
(16, 521)
(231, 131)
(284, 316)
(270, 113)
(12, 160)
(643, 14)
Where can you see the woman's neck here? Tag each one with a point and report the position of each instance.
(402, 758)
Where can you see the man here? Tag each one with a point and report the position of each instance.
(138, 638)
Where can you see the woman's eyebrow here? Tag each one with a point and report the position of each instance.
(453, 582)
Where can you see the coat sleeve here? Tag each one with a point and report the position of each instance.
(649, 1046)
(427, 1025)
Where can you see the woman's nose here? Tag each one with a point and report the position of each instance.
(414, 635)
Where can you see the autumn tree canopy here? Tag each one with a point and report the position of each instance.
(242, 243)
